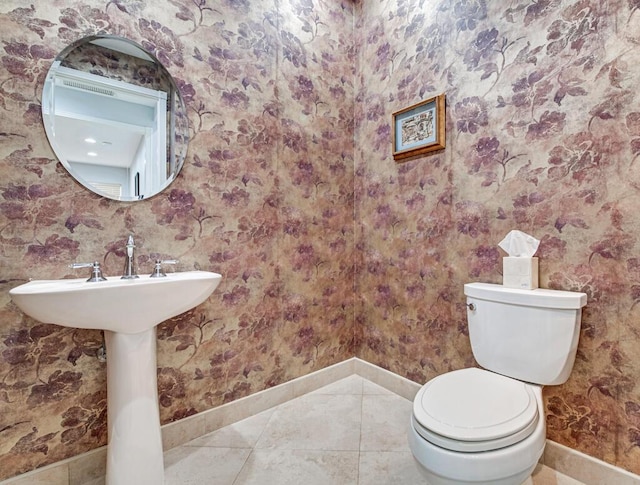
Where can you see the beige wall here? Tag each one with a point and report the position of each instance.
(542, 136)
(265, 199)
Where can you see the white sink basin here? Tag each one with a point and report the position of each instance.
(128, 311)
(126, 306)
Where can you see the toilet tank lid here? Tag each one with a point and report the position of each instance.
(540, 297)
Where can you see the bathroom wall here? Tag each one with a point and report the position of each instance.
(543, 135)
(265, 199)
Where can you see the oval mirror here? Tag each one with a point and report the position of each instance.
(115, 118)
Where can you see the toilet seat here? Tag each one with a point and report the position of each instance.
(473, 410)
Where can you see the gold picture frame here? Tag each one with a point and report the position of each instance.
(419, 128)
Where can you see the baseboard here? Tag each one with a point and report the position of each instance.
(89, 468)
(585, 468)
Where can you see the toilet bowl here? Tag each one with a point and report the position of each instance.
(498, 444)
(487, 426)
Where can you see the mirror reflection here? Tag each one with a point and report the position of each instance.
(114, 118)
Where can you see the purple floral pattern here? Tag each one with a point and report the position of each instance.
(265, 199)
(543, 135)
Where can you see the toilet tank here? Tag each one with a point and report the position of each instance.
(530, 335)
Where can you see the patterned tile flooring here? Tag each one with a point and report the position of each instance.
(349, 432)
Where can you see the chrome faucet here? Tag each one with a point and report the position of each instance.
(129, 262)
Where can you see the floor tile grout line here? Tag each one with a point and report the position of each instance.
(244, 464)
(264, 428)
(358, 390)
(253, 447)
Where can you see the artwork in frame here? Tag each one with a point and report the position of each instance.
(419, 128)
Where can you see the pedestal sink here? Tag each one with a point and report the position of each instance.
(128, 311)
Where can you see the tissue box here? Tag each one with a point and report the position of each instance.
(520, 273)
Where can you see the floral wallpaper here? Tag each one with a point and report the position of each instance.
(327, 247)
(265, 198)
(543, 136)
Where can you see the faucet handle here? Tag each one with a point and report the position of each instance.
(129, 272)
(96, 271)
(157, 270)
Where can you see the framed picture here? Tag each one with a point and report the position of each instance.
(419, 128)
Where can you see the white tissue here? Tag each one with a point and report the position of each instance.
(519, 244)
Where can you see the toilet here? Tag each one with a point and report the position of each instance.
(487, 426)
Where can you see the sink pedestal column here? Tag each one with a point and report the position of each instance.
(134, 452)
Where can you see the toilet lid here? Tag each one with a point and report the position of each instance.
(473, 405)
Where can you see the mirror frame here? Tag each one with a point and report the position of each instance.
(178, 147)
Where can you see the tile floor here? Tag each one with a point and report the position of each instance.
(350, 432)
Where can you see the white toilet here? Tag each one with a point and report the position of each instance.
(488, 426)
